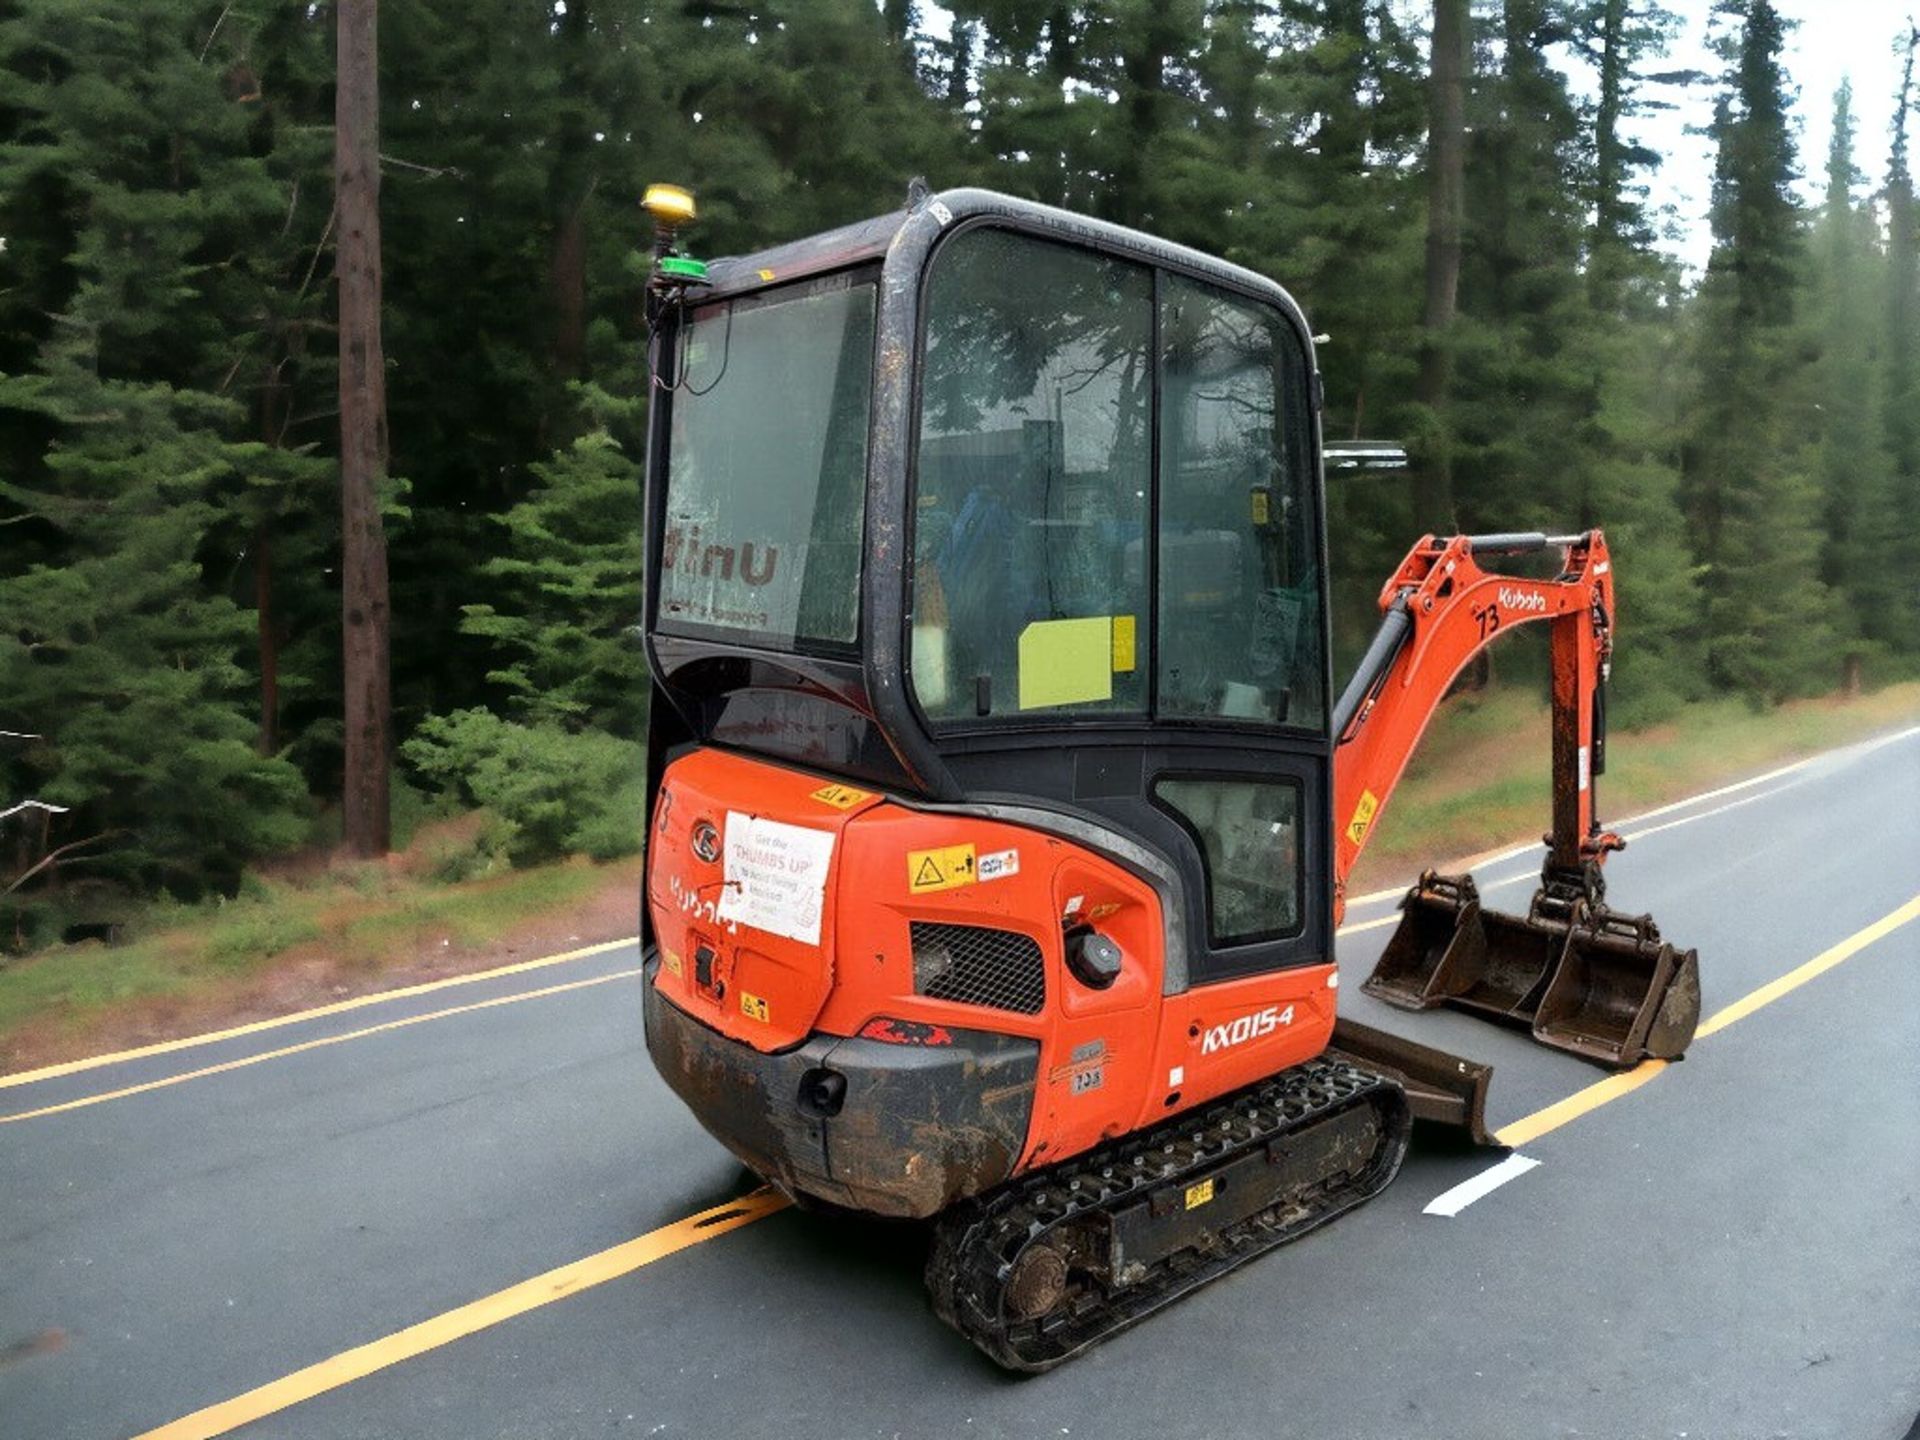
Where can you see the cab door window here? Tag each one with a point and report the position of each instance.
(1033, 473)
(1239, 609)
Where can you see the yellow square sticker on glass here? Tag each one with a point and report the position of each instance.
(1066, 662)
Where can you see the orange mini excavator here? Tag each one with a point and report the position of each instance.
(1001, 807)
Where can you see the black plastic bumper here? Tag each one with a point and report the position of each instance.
(906, 1130)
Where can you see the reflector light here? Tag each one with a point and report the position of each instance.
(906, 1032)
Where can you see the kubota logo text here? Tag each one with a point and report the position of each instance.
(1247, 1027)
(1522, 599)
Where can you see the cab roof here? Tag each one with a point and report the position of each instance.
(870, 240)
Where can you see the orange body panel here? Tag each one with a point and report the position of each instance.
(1111, 1061)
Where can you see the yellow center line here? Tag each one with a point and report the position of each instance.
(481, 1314)
(321, 1043)
(1819, 965)
(379, 997)
(1601, 1092)
(1563, 1112)
(623, 1259)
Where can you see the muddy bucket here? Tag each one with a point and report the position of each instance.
(1437, 948)
(1520, 962)
(1621, 993)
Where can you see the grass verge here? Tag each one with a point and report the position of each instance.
(289, 943)
(1479, 780)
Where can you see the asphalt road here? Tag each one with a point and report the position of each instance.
(1730, 1250)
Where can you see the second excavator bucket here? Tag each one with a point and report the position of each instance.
(1583, 979)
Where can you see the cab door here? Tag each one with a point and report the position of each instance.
(1117, 603)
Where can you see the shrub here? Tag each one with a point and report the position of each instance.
(554, 793)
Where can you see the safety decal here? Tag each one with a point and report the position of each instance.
(947, 868)
(841, 797)
(999, 865)
(1199, 1194)
(754, 1008)
(672, 962)
(1362, 816)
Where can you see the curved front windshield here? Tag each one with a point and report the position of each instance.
(766, 466)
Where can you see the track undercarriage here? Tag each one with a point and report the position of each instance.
(1049, 1264)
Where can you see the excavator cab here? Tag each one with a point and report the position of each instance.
(986, 505)
(1000, 808)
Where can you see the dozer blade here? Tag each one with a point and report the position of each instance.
(1583, 979)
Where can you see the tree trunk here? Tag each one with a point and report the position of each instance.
(1446, 189)
(269, 642)
(568, 189)
(363, 433)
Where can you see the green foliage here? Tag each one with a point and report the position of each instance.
(569, 587)
(167, 499)
(134, 147)
(557, 793)
(118, 656)
(1752, 502)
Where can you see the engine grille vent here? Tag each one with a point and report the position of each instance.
(1000, 969)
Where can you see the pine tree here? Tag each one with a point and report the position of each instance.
(1521, 388)
(1625, 477)
(1890, 518)
(1851, 462)
(567, 587)
(118, 652)
(138, 149)
(1753, 506)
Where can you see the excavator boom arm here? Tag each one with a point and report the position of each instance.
(1439, 610)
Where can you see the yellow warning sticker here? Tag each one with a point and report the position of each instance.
(672, 962)
(947, 868)
(1362, 816)
(766, 274)
(1199, 1194)
(1124, 658)
(841, 797)
(754, 1008)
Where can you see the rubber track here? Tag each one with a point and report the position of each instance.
(977, 1243)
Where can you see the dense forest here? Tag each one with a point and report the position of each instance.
(1467, 225)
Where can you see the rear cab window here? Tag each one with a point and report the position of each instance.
(767, 461)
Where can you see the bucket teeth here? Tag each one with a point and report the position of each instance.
(1584, 979)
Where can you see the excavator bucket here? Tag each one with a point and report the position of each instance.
(1583, 979)
(1621, 993)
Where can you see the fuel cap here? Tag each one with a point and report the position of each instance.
(1093, 958)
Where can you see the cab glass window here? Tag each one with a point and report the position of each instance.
(1240, 624)
(1249, 833)
(1033, 469)
(766, 466)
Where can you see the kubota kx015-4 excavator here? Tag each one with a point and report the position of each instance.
(1000, 806)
